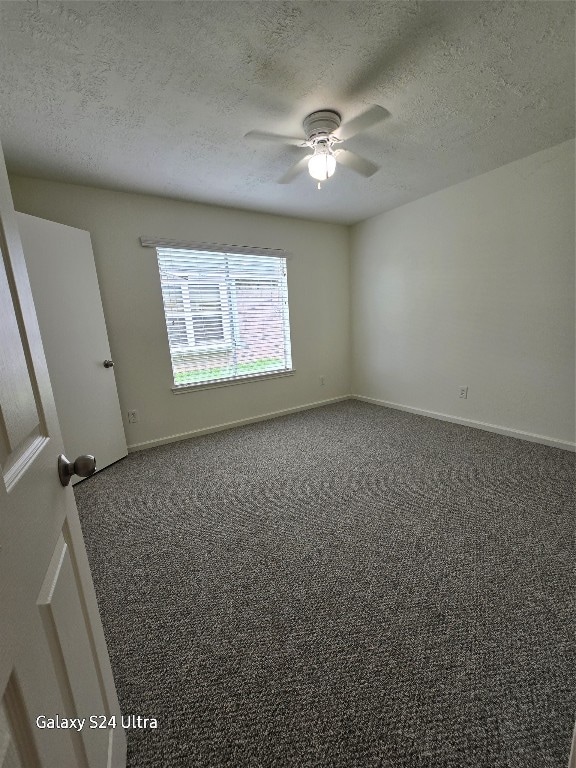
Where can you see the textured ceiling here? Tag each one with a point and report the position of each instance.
(156, 97)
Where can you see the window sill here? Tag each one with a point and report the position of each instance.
(185, 388)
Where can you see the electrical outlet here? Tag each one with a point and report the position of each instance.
(463, 393)
(322, 380)
(133, 417)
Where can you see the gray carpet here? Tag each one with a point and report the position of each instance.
(348, 587)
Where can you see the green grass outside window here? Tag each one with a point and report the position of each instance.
(263, 365)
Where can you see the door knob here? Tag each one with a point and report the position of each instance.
(84, 466)
(108, 364)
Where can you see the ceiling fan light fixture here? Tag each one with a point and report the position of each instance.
(320, 131)
(322, 164)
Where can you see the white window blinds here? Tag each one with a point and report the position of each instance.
(226, 315)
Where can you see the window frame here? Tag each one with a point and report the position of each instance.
(228, 307)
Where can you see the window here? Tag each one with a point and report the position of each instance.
(226, 314)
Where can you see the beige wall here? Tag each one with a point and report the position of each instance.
(318, 285)
(473, 285)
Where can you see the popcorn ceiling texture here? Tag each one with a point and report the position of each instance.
(156, 97)
(348, 587)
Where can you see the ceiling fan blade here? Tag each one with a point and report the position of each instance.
(296, 169)
(362, 122)
(401, 51)
(262, 136)
(356, 163)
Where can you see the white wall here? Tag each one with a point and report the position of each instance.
(473, 285)
(318, 286)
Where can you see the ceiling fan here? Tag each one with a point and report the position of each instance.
(324, 131)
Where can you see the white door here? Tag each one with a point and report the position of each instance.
(53, 656)
(66, 295)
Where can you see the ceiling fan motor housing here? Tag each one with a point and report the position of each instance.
(321, 123)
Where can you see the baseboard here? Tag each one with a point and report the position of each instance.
(231, 424)
(517, 433)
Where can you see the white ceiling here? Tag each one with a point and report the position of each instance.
(156, 97)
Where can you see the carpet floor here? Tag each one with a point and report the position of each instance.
(347, 587)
